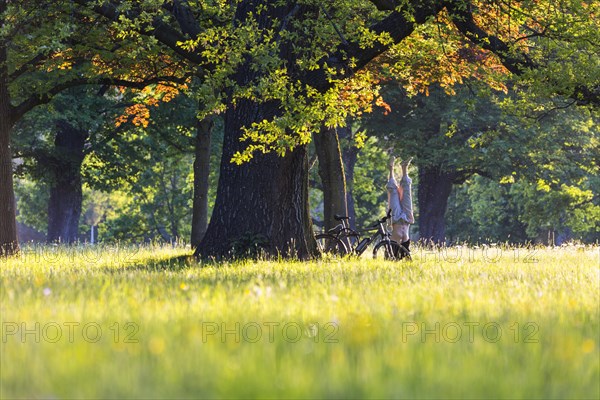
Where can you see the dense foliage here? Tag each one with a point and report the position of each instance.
(526, 70)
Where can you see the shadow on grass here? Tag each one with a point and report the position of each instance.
(171, 264)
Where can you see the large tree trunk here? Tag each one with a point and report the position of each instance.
(64, 205)
(263, 202)
(8, 227)
(435, 186)
(331, 171)
(201, 174)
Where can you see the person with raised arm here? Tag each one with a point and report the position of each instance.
(400, 202)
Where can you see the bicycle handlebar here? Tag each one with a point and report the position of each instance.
(372, 227)
(388, 216)
(381, 221)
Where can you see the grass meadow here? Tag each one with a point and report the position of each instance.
(150, 322)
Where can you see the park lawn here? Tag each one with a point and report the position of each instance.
(151, 323)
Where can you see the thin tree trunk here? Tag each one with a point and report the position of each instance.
(201, 183)
(435, 186)
(331, 171)
(170, 195)
(349, 157)
(8, 227)
(64, 205)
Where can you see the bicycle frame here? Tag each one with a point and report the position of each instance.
(382, 234)
(351, 238)
(348, 240)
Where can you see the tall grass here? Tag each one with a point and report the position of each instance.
(150, 322)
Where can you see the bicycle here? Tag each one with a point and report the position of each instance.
(343, 240)
(331, 241)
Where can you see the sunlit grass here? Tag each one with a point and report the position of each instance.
(150, 322)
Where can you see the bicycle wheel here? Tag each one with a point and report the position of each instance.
(329, 244)
(388, 250)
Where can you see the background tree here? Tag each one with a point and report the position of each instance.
(456, 136)
(436, 129)
(136, 177)
(46, 48)
(149, 167)
(54, 141)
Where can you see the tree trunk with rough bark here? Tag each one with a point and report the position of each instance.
(8, 227)
(331, 171)
(435, 186)
(201, 174)
(262, 203)
(64, 205)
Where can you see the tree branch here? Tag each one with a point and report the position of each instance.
(396, 25)
(335, 27)
(25, 67)
(37, 99)
(462, 17)
(180, 9)
(160, 30)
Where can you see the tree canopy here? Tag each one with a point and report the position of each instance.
(279, 71)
